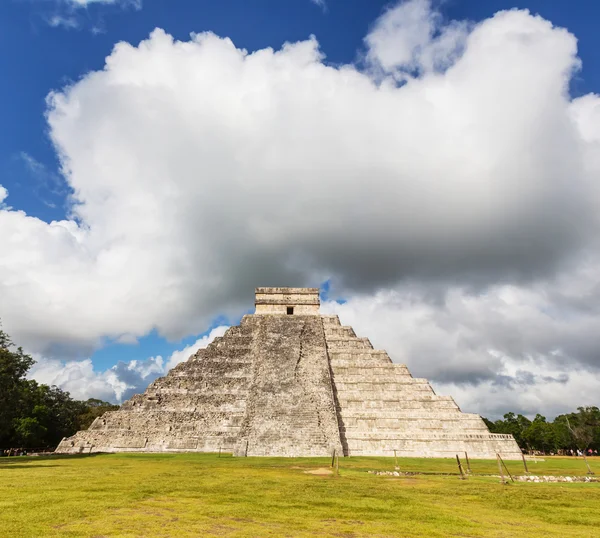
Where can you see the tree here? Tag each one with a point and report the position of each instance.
(584, 426)
(563, 439)
(95, 408)
(539, 434)
(516, 425)
(14, 365)
(33, 415)
(29, 432)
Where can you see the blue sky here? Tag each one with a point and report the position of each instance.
(49, 45)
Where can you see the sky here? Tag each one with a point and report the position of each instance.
(431, 165)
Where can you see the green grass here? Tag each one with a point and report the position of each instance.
(164, 495)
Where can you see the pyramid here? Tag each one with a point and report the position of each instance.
(289, 381)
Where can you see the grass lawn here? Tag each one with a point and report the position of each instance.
(160, 495)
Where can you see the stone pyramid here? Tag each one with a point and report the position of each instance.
(289, 381)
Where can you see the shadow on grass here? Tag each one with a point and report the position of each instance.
(21, 466)
(24, 462)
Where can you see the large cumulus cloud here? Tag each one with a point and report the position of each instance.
(453, 161)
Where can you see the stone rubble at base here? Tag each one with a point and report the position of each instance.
(289, 381)
(519, 478)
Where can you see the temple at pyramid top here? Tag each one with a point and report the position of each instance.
(289, 301)
(290, 381)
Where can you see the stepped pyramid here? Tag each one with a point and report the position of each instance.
(289, 381)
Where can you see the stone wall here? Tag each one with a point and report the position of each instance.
(301, 301)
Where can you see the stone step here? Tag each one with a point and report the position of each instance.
(361, 359)
(206, 393)
(231, 344)
(361, 367)
(340, 344)
(364, 367)
(407, 414)
(408, 383)
(340, 332)
(199, 403)
(177, 415)
(355, 353)
(419, 392)
(229, 373)
(396, 396)
(412, 429)
(400, 379)
(436, 449)
(398, 405)
(369, 425)
(237, 338)
(213, 367)
(189, 431)
(361, 390)
(200, 375)
(225, 360)
(216, 408)
(424, 433)
(237, 330)
(206, 388)
(231, 377)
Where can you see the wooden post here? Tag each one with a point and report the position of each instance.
(505, 467)
(502, 479)
(337, 465)
(333, 458)
(524, 463)
(219, 452)
(587, 464)
(396, 466)
(462, 473)
(468, 463)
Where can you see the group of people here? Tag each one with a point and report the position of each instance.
(577, 452)
(14, 452)
(563, 452)
(4, 452)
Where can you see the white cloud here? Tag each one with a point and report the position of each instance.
(3, 195)
(137, 4)
(320, 3)
(410, 38)
(74, 14)
(200, 170)
(118, 383)
(57, 21)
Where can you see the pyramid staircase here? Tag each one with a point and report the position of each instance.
(383, 409)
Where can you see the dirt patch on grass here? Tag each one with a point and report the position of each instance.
(321, 471)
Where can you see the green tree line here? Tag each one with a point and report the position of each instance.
(577, 430)
(33, 415)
